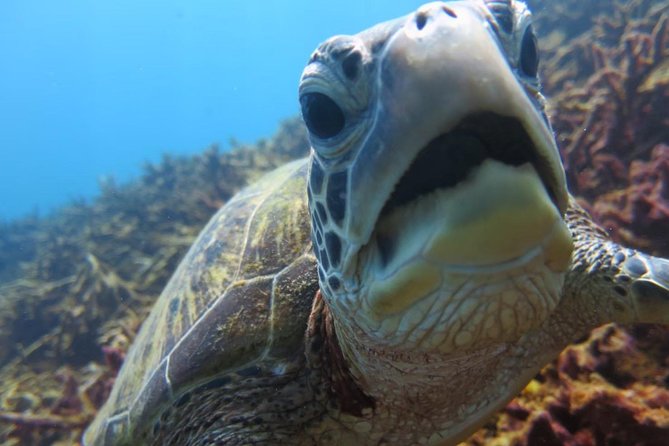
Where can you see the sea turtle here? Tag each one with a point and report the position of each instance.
(403, 282)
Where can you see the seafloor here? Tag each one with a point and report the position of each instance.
(75, 287)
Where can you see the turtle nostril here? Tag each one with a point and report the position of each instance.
(449, 11)
(421, 20)
(423, 16)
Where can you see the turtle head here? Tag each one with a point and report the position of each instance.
(436, 189)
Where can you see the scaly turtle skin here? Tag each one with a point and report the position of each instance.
(450, 262)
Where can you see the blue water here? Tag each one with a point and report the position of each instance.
(95, 88)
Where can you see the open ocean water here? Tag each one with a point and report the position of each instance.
(90, 90)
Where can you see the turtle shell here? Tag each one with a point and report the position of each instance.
(242, 293)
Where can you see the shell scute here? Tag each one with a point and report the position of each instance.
(276, 232)
(156, 392)
(289, 288)
(232, 331)
(216, 313)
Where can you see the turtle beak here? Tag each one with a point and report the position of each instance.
(649, 287)
(448, 101)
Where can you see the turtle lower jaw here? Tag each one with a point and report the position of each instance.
(499, 213)
(451, 157)
(499, 218)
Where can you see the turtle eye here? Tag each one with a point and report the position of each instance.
(323, 117)
(529, 55)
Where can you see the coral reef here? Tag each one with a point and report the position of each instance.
(609, 96)
(610, 389)
(639, 214)
(75, 287)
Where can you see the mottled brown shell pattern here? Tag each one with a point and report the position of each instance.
(241, 296)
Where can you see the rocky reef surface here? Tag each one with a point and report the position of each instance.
(606, 72)
(75, 287)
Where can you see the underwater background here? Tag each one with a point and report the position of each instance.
(100, 92)
(93, 89)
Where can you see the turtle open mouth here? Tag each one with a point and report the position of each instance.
(451, 157)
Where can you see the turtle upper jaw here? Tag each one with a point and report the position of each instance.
(479, 195)
(430, 81)
(451, 157)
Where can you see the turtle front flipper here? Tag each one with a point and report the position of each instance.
(647, 279)
(611, 283)
(624, 286)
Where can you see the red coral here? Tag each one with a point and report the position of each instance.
(614, 132)
(643, 205)
(69, 403)
(608, 390)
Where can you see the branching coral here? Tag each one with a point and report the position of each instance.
(639, 214)
(572, 31)
(609, 389)
(615, 126)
